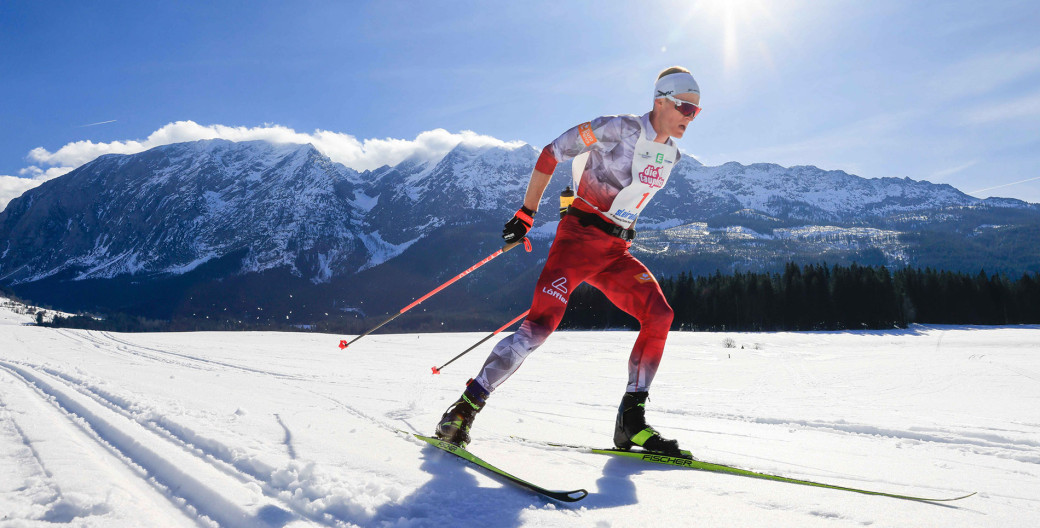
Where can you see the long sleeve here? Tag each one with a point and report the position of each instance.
(600, 133)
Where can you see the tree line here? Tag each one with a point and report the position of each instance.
(821, 297)
(802, 297)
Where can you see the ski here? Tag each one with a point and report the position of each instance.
(687, 461)
(563, 496)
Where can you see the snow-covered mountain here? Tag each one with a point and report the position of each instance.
(240, 209)
(466, 185)
(803, 194)
(172, 208)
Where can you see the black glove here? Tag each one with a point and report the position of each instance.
(517, 227)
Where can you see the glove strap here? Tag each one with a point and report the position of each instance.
(525, 216)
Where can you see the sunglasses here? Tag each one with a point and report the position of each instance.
(685, 108)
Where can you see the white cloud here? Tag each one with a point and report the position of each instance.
(343, 148)
(12, 187)
(36, 173)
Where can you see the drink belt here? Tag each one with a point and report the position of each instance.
(592, 219)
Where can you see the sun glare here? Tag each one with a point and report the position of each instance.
(743, 23)
(740, 27)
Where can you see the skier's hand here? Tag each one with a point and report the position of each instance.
(517, 227)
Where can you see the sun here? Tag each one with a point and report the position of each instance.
(738, 26)
(744, 22)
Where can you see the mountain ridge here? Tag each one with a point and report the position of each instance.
(258, 207)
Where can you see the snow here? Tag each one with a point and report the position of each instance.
(365, 202)
(202, 259)
(763, 186)
(285, 429)
(381, 250)
(145, 231)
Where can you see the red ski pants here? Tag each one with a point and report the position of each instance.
(586, 254)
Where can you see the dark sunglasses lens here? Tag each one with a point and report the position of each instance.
(688, 109)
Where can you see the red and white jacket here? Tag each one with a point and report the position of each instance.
(617, 166)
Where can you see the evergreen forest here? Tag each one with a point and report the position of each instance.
(822, 297)
(801, 298)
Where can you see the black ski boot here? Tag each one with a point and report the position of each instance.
(454, 425)
(631, 428)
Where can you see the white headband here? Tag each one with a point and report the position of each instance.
(676, 83)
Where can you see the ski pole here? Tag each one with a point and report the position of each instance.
(527, 245)
(437, 370)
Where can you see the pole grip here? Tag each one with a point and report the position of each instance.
(526, 242)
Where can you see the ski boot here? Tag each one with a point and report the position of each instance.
(454, 425)
(631, 428)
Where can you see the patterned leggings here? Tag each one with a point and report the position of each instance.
(586, 254)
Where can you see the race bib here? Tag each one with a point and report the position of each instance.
(651, 164)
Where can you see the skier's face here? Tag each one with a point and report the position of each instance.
(672, 121)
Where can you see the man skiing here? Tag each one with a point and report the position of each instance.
(622, 162)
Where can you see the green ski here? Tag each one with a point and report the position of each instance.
(688, 462)
(563, 496)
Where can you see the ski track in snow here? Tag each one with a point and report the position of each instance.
(174, 473)
(286, 488)
(1030, 449)
(266, 429)
(277, 484)
(106, 341)
(71, 429)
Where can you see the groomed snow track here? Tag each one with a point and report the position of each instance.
(200, 480)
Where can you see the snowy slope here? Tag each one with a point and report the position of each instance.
(146, 234)
(810, 193)
(266, 429)
(173, 208)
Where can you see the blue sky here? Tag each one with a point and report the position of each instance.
(947, 92)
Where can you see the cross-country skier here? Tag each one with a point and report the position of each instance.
(623, 161)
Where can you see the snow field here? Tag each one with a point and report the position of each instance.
(271, 429)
